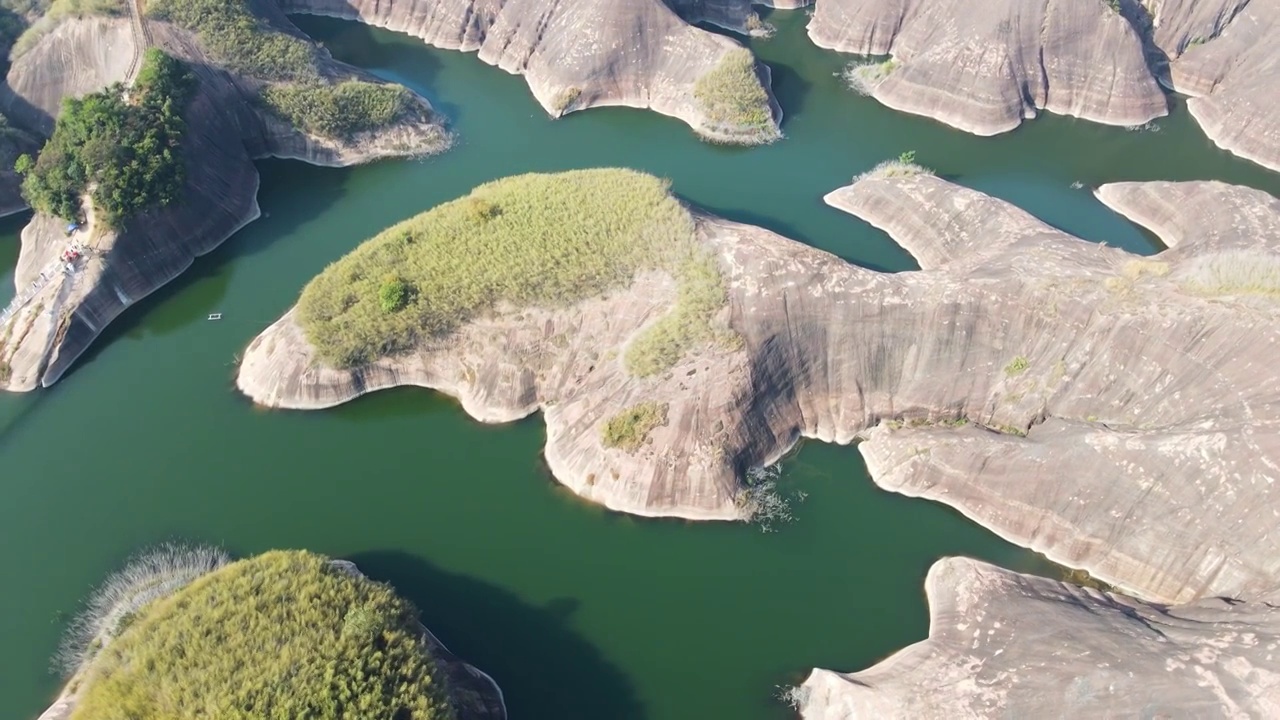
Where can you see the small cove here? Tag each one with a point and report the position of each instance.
(577, 612)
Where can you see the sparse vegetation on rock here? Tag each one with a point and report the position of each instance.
(863, 77)
(565, 100)
(629, 429)
(732, 97)
(282, 635)
(30, 20)
(540, 240)
(120, 147)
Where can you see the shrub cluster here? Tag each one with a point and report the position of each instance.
(120, 146)
(731, 95)
(536, 239)
(341, 110)
(238, 39)
(629, 429)
(282, 635)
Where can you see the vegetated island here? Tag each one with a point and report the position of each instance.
(183, 632)
(592, 53)
(1016, 353)
(1102, 60)
(152, 123)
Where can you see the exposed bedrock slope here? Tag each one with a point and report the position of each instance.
(584, 54)
(1008, 645)
(58, 313)
(1226, 55)
(985, 66)
(1121, 411)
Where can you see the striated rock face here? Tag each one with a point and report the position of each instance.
(587, 54)
(60, 309)
(1226, 54)
(1008, 645)
(984, 67)
(1114, 412)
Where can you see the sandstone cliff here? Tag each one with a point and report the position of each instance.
(588, 54)
(1016, 352)
(1008, 645)
(60, 309)
(1226, 55)
(984, 67)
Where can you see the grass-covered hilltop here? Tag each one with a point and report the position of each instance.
(544, 240)
(183, 633)
(119, 146)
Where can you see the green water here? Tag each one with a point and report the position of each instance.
(577, 612)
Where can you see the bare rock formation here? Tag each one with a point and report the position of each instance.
(985, 66)
(1226, 55)
(1008, 645)
(1117, 413)
(588, 54)
(61, 307)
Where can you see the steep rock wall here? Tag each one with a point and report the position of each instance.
(1008, 645)
(985, 66)
(588, 54)
(61, 309)
(1114, 412)
(1226, 54)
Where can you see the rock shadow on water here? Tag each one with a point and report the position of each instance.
(545, 668)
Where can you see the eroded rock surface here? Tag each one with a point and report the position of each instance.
(580, 55)
(60, 308)
(1117, 413)
(985, 66)
(1003, 644)
(1226, 55)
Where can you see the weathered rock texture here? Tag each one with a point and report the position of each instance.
(580, 55)
(60, 310)
(985, 66)
(1117, 413)
(1004, 645)
(1226, 55)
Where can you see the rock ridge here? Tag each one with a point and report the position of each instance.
(593, 53)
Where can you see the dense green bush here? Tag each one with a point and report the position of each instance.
(120, 146)
(731, 95)
(341, 110)
(536, 239)
(283, 635)
(235, 37)
(629, 429)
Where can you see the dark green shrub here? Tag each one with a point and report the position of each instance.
(393, 294)
(125, 146)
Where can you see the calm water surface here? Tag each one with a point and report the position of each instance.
(577, 612)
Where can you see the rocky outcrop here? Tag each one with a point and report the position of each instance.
(1008, 645)
(984, 67)
(1017, 352)
(588, 54)
(1226, 55)
(62, 307)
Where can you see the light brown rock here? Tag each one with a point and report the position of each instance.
(575, 56)
(984, 67)
(1004, 645)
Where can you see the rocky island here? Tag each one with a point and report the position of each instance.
(282, 634)
(1015, 351)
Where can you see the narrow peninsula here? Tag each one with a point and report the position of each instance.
(285, 634)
